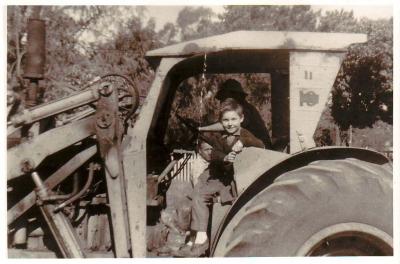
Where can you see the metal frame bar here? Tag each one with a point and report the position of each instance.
(57, 106)
(118, 207)
(63, 232)
(109, 133)
(134, 157)
(67, 240)
(45, 144)
(62, 173)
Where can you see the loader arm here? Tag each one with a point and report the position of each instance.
(99, 134)
(31, 153)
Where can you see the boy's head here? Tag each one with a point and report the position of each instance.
(204, 149)
(231, 115)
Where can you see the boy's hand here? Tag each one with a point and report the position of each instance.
(230, 157)
(238, 146)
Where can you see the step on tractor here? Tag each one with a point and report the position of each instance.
(88, 185)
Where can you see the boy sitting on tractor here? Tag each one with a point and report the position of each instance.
(217, 178)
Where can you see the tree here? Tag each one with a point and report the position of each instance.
(196, 22)
(62, 49)
(125, 53)
(339, 21)
(84, 42)
(167, 34)
(363, 90)
(66, 63)
(272, 17)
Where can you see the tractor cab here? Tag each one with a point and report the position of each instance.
(301, 68)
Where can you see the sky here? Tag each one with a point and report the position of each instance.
(164, 14)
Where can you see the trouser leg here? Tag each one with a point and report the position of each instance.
(202, 197)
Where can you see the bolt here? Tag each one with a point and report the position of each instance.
(30, 136)
(67, 211)
(104, 120)
(95, 166)
(39, 201)
(27, 165)
(106, 89)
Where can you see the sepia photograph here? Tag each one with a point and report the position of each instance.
(199, 131)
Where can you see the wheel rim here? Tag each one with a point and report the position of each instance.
(348, 239)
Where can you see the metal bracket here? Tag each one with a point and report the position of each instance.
(109, 135)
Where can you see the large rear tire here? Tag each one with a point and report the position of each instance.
(329, 207)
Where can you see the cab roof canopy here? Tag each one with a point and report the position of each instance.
(261, 40)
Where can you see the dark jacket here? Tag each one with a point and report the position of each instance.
(255, 124)
(221, 147)
(219, 169)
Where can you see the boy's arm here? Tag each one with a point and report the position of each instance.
(217, 155)
(249, 140)
(216, 127)
(214, 139)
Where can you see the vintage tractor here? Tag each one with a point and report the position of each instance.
(88, 183)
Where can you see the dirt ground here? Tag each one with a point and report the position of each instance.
(170, 227)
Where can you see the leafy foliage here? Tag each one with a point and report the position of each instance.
(195, 22)
(71, 61)
(363, 91)
(290, 18)
(338, 21)
(167, 34)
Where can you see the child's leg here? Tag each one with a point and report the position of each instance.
(202, 197)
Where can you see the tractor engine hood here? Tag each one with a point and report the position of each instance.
(259, 160)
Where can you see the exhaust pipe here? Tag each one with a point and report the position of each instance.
(36, 50)
(35, 59)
